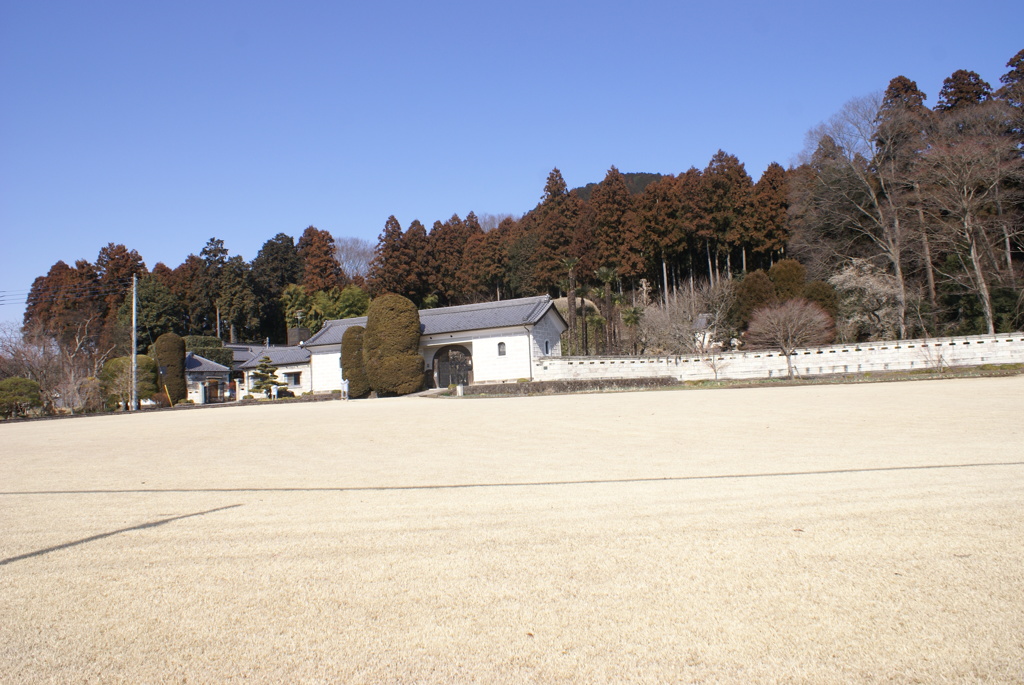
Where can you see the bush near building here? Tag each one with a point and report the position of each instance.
(391, 346)
(18, 396)
(169, 353)
(352, 366)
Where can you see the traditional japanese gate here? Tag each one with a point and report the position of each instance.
(453, 365)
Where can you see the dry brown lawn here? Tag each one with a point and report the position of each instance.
(866, 533)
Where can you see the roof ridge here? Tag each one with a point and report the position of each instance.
(516, 302)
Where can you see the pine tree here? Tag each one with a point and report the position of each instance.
(188, 286)
(553, 223)
(276, 266)
(445, 246)
(385, 275)
(265, 377)
(963, 89)
(615, 228)
(482, 266)
(115, 266)
(236, 301)
(320, 268)
(770, 213)
(726, 211)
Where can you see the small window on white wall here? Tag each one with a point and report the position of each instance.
(547, 347)
(501, 349)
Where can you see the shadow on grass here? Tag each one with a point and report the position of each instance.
(94, 538)
(523, 484)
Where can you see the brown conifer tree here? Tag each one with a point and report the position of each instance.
(770, 215)
(616, 235)
(320, 268)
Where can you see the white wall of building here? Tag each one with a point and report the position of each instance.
(325, 368)
(903, 355)
(547, 336)
(305, 383)
(488, 365)
(523, 344)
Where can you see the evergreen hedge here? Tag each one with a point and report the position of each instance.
(391, 346)
(209, 347)
(18, 395)
(352, 367)
(169, 353)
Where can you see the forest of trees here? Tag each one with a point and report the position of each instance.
(901, 220)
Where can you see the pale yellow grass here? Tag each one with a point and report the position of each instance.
(866, 533)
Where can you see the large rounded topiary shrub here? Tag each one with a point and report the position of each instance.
(169, 352)
(391, 346)
(352, 368)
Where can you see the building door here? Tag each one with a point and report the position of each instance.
(453, 365)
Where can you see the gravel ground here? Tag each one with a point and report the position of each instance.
(867, 533)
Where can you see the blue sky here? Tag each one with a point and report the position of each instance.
(161, 125)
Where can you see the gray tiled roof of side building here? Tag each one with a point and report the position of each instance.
(332, 331)
(279, 356)
(242, 353)
(469, 317)
(194, 363)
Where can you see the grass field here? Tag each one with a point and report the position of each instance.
(867, 533)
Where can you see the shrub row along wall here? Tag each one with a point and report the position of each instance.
(902, 355)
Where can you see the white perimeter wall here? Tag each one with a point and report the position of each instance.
(903, 355)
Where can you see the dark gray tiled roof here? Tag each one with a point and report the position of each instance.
(242, 353)
(469, 317)
(196, 364)
(332, 331)
(279, 356)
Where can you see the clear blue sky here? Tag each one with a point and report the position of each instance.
(161, 125)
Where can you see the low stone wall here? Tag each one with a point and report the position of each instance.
(901, 355)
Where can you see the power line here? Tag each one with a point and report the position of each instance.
(80, 291)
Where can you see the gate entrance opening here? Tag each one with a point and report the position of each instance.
(453, 365)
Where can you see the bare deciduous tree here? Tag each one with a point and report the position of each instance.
(973, 172)
(354, 256)
(789, 325)
(856, 186)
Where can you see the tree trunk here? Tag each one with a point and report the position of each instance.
(571, 314)
(711, 272)
(979, 278)
(664, 276)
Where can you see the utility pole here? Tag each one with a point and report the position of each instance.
(135, 351)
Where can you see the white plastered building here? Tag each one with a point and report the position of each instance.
(492, 342)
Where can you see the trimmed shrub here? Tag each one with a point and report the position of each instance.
(390, 346)
(18, 395)
(209, 347)
(169, 353)
(352, 368)
(192, 342)
(756, 290)
(823, 295)
(220, 355)
(789, 277)
(402, 373)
